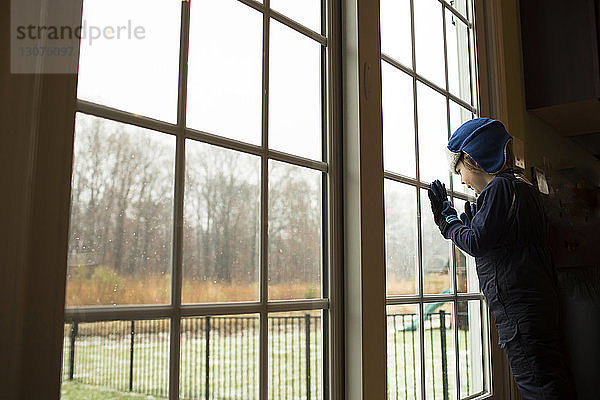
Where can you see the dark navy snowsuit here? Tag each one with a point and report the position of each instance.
(508, 238)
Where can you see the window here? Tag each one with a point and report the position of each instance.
(436, 316)
(200, 248)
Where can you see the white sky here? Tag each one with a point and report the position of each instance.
(138, 76)
(225, 69)
(397, 101)
(225, 73)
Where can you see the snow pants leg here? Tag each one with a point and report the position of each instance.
(538, 363)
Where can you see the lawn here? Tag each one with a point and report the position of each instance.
(80, 391)
(102, 362)
(102, 359)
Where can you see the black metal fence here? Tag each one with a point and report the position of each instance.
(403, 356)
(218, 359)
(120, 355)
(295, 357)
(403, 352)
(219, 356)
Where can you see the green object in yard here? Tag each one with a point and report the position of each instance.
(428, 309)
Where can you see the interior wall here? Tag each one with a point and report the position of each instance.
(575, 239)
(540, 139)
(502, 79)
(36, 145)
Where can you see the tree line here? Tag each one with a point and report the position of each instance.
(122, 209)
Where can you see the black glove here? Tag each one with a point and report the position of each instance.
(470, 211)
(437, 196)
(449, 217)
(444, 213)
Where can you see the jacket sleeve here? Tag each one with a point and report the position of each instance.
(490, 221)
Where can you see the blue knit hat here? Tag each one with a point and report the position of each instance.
(484, 140)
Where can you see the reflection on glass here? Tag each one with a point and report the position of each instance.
(436, 253)
(466, 273)
(433, 135)
(457, 40)
(121, 215)
(101, 360)
(470, 347)
(403, 354)
(294, 93)
(398, 121)
(222, 351)
(294, 232)
(458, 116)
(295, 355)
(440, 355)
(429, 41)
(120, 69)
(221, 225)
(400, 238)
(395, 30)
(306, 12)
(225, 75)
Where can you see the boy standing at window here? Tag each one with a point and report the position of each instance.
(506, 232)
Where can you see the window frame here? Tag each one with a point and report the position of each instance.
(330, 301)
(54, 96)
(365, 301)
(421, 298)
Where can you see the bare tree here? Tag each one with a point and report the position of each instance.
(122, 195)
(122, 208)
(222, 191)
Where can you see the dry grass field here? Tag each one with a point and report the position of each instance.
(105, 287)
(156, 289)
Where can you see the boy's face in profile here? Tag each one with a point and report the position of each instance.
(475, 180)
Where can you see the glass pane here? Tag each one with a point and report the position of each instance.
(130, 57)
(229, 366)
(403, 353)
(66, 359)
(225, 74)
(121, 215)
(433, 135)
(401, 238)
(458, 116)
(306, 12)
(460, 6)
(459, 74)
(398, 121)
(100, 360)
(429, 41)
(294, 232)
(395, 30)
(295, 355)
(467, 279)
(221, 245)
(474, 80)
(436, 253)
(470, 347)
(466, 273)
(295, 124)
(440, 361)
